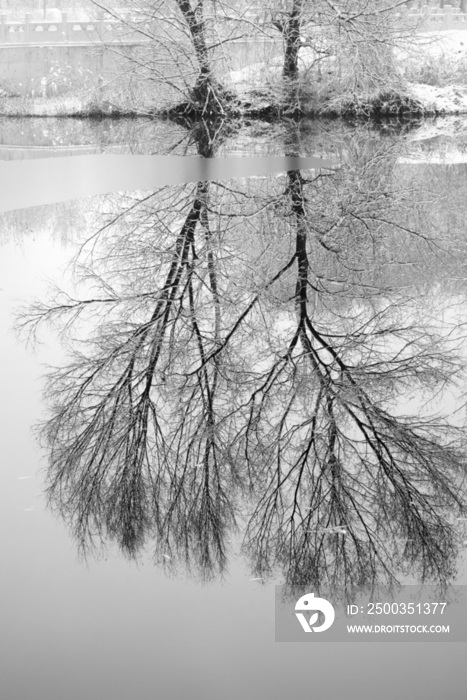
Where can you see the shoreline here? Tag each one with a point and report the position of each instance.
(417, 100)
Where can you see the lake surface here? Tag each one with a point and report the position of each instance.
(199, 284)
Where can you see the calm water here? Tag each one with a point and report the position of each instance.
(385, 285)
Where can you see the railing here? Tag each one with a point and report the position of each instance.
(66, 31)
(439, 19)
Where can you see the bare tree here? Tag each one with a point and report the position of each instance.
(189, 51)
(246, 369)
(183, 37)
(352, 43)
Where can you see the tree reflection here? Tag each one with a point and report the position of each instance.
(248, 367)
(344, 479)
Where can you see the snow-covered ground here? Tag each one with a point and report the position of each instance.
(450, 42)
(434, 63)
(450, 99)
(437, 64)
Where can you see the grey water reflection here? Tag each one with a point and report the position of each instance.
(47, 180)
(45, 168)
(257, 357)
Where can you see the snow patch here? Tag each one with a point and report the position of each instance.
(450, 98)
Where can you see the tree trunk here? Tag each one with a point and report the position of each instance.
(291, 34)
(208, 98)
(195, 22)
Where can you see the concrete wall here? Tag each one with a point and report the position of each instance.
(59, 68)
(24, 68)
(61, 65)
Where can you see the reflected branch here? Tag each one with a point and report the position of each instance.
(252, 362)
